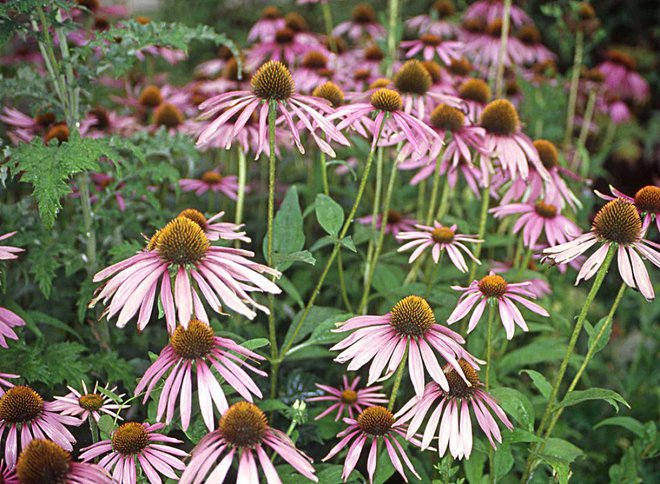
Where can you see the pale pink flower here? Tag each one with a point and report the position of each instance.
(8, 474)
(373, 424)
(348, 397)
(491, 10)
(9, 321)
(286, 46)
(437, 23)
(383, 340)
(431, 45)
(213, 228)
(451, 413)
(363, 23)
(196, 350)
(272, 83)
(181, 252)
(244, 435)
(646, 201)
(25, 416)
(270, 22)
(437, 239)
(538, 218)
(621, 77)
(493, 289)
(617, 225)
(134, 444)
(539, 287)
(484, 48)
(396, 222)
(211, 181)
(87, 404)
(5, 383)
(532, 48)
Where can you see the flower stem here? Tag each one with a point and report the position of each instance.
(584, 132)
(374, 211)
(573, 90)
(504, 38)
(381, 239)
(324, 171)
(489, 342)
(93, 428)
(392, 44)
(485, 200)
(397, 380)
(242, 177)
(272, 118)
(598, 281)
(432, 273)
(342, 283)
(327, 18)
(434, 192)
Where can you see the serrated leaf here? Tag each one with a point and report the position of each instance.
(579, 396)
(329, 214)
(540, 382)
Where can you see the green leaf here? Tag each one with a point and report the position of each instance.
(503, 460)
(593, 332)
(106, 425)
(560, 451)
(49, 168)
(288, 235)
(317, 315)
(474, 467)
(349, 244)
(579, 396)
(256, 343)
(322, 333)
(329, 214)
(37, 317)
(538, 351)
(632, 424)
(540, 382)
(517, 405)
(282, 260)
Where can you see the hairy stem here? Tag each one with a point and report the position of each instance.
(272, 336)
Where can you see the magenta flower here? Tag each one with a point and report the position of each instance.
(8, 474)
(213, 228)
(87, 404)
(484, 47)
(211, 181)
(270, 22)
(493, 289)
(438, 238)
(244, 434)
(8, 321)
(363, 23)
(198, 349)
(7, 252)
(287, 46)
(5, 383)
(134, 443)
(396, 222)
(25, 415)
(221, 274)
(451, 410)
(538, 218)
(349, 397)
(507, 142)
(621, 77)
(431, 45)
(383, 340)
(646, 201)
(617, 224)
(491, 10)
(436, 25)
(272, 83)
(373, 423)
(532, 48)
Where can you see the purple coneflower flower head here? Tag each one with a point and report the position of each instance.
(373, 424)
(5, 383)
(532, 48)
(397, 222)
(213, 228)
(483, 48)
(618, 225)
(431, 45)
(621, 77)
(348, 397)
(507, 142)
(244, 434)
(25, 415)
(556, 188)
(134, 444)
(451, 413)
(270, 22)
(539, 287)
(437, 23)
(475, 94)
(646, 201)
(8, 321)
(363, 23)
(211, 181)
(8, 252)
(222, 275)
(493, 289)
(536, 219)
(8, 474)
(87, 404)
(383, 340)
(196, 350)
(43, 461)
(438, 238)
(272, 83)
(491, 10)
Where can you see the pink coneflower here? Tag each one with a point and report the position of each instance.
(646, 201)
(286, 46)
(213, 228)
(484, 49)
(493, 289)
(431, 45)
(197, 350)
(87, 404)
(372, 424)
(533, 50)
(396, 222)
(491, 10)
(383, 340)
(8, 321)
(539, 287)
(272, 83)
(8, 474)
(5, 383)
(244, 434)
(362, 23)
(25, 127)
(43, 461)
(436, 23)
(438, 238)
(25, 415)
(134, 444)
(451, 411)
(538, 218)
(211, 181)
(507, 142)
(617, 224)
(621, 77)
(270, 22)
(475, 94)
(221, 274)
(348, 397)
(214, 67)
(312, 71)
(387, 106)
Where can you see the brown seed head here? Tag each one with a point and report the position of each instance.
(386, 100)
(314, 60)
(412, 317)
(413, 78)
(296, 22)
(271, 13)
(168, 115)
(20, 404)
(460, 67)
(373, 53)
(500, 117)
(182, 242)
(130, 438)
(60, 132)
(474, 90)
(349, 396)
(330, 92)
(376, 421)
(618, 221)
(195, 342)
(443, 235)
(243, 425)
(150, 96)
(547, 153)
(444, 8)
(434, 70)
(363, 14)
(273, 81)
(43, 461)
(195, 215)
(647, 199)
(545, 210)
(457, 386)
(529, 35)
(493, 286)
(447, 118)
(91, 402)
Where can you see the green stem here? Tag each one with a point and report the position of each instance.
(374, 211)
(573, 90)
(324, 173)
(584, 132)
(504, 38)
(598, 281)
(342, 283)
(272, 118)
(525, 261)
(392, 41)
(432, 273)
(381, 239)
(327, 18)
(397, 380)
(435, 185)
(242, 178)
(421, 197)
(483, 218)
(489, 343)
(444, 200)
(93, 428)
